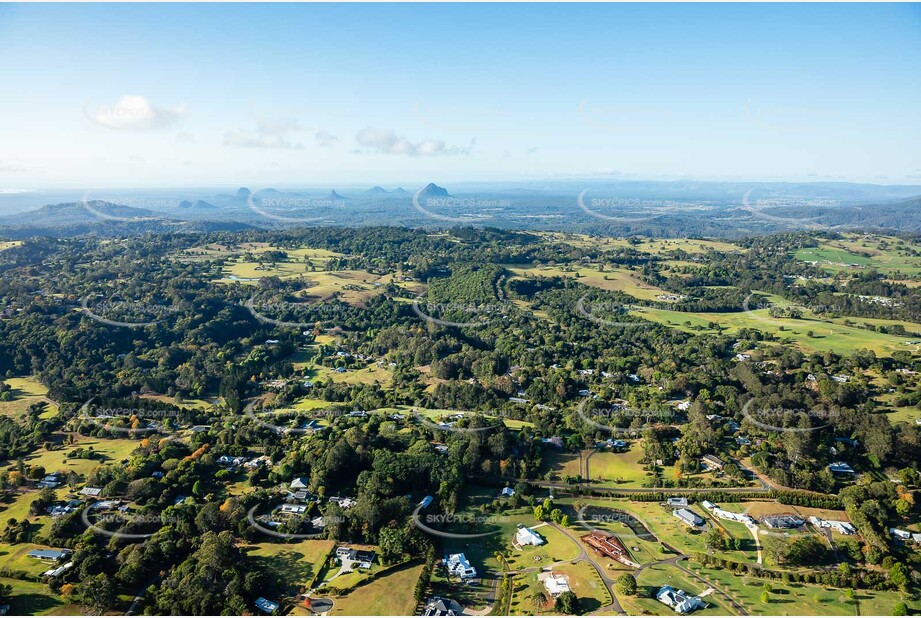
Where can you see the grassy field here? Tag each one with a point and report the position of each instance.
(653, 578)
(26, 391)
(292, 564)
(35, 599)
(618, 469)
(366, 375)
(798, 599)
(389, 595)
(15, 558)
(886, 254)
(181, 402)
(57, 460)
(9, 244)
(645, 245)
(828, 335)
(615, 280)
(583, 580)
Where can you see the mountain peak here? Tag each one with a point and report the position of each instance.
(377, 189)
(433, 190)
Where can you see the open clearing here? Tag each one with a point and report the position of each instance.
(293, 564)
(612, 280)
(828, 336)
(57, 460)
(26, 391)
(388, 595)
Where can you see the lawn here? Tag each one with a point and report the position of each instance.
(115, 450)
(583, 580)
(798, 599)
(653, 578)
(293, 564)
(615, 280)
(829, 335)
(561, 464)
(388, 595)
(35, 599)
(621, 469)
(15, 558)
(366, 375)
(26, 391)
(886, 254)
(9, 244)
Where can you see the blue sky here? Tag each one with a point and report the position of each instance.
(173, 95)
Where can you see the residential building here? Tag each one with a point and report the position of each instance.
(458, 565)
(679, 600)
(526, 536)
(689, 517)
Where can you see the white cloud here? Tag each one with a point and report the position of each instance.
(268, 134)
(324, 139)
(135, 113)
(7, 166)
(388, 142)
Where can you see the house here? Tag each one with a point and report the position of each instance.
(679, 600)
(364, 557)
(157, 475)
(425, 502)
(785, 521)
(708, 505)
(712, 462)
(841, 527)
(200, 428)
(51, 481)
(437, 606)
(839, 467)
(345, 503)
(91, 491)
(293, 508)
(49, 555)
(526, 536)
(58, 571)
(743, 441)
(556, 441)
(318, 522)
(689, 517)
(507, 492)
(441, 449)
(264, 605)
(457, 564)
(677, 502)
(179, 500)
(899, 534)
(556, 584)
(732, 516)
(301, 482)
(227, 460)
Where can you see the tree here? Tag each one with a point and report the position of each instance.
(765, 597)
(98, 594)
(900, 609)
(567, 603)
(538, 600)
(626, 584)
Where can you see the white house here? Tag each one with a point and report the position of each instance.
(526, 536)
(841, 527)
(689, 517)
(679, 600)
(556, 584)
(457, 564)
(507, 492)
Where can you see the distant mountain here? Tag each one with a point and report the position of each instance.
(400, 191)
(333, 195)
(376, 190)
(243, 193)
(70, 213)
(197, 206)
(432, 190)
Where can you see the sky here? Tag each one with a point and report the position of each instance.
(170, 95)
